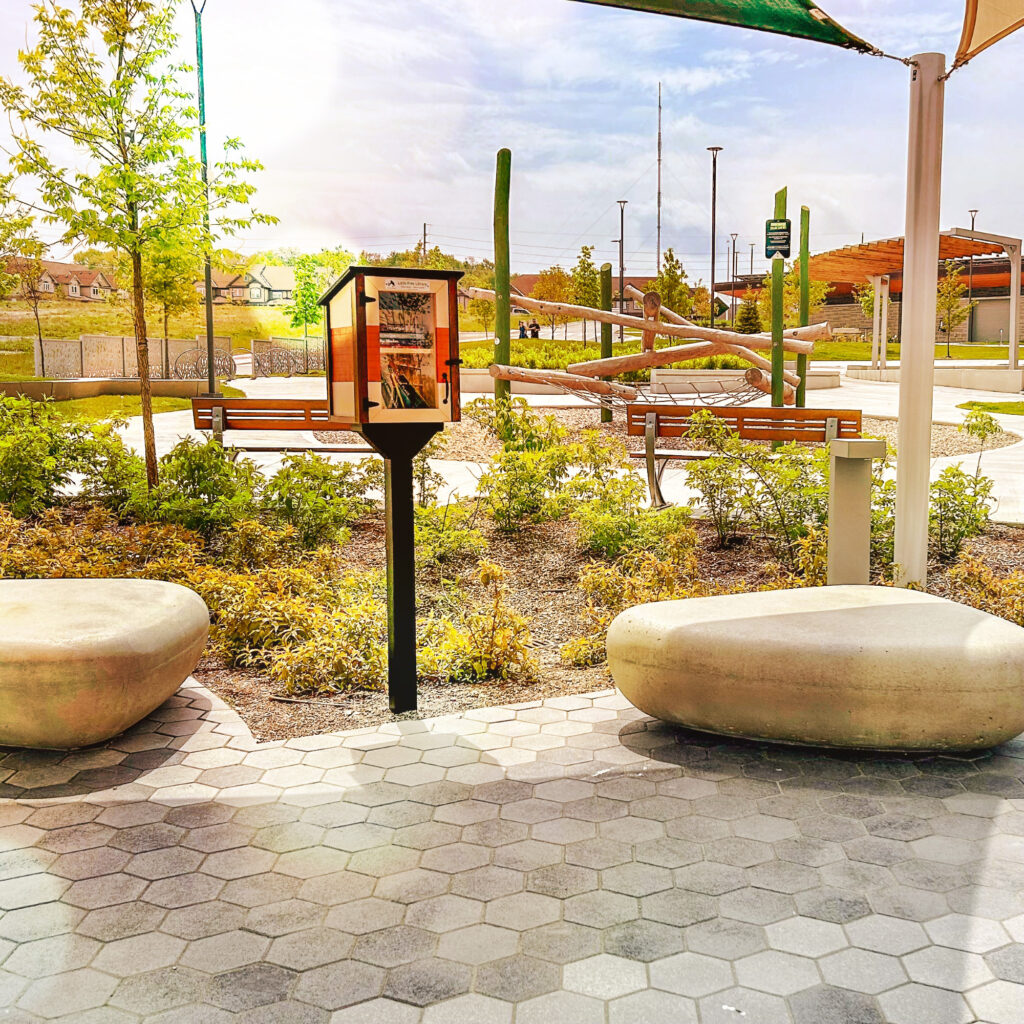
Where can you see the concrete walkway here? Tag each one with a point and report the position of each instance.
(1005, 465)
(568, 861)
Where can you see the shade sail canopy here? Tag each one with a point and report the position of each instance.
(985, 23)
(856, 263)
(798, 18)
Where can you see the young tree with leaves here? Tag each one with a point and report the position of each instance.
(305, 308)
(15, 226)
(554, 285)
(482, 310)
(790, 297)
(171, 265)
(671, 285)
(586, 283)
(103, 80)
(952, 311)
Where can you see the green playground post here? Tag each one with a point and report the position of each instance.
(778, 285)
(502, 288)
(606, 329)
(805, 299)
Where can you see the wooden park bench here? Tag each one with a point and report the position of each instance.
(664, 420)
(222, 414)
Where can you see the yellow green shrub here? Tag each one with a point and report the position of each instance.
(973, 582)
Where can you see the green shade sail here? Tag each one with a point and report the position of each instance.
(798, 18)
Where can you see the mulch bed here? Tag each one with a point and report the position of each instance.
(467, 441)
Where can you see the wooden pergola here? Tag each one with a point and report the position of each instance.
(858, 264)
(874, 262)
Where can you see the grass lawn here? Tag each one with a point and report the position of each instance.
(122, 407)
(1006, 408)
(70, 319)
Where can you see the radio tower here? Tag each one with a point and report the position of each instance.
(659, 178)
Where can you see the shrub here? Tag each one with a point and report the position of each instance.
(112, 474)
(426, 481)
(39, 453)
(524, 485)
(610, 530)
(959, 508)
(719, 481)
(317, 497)
(974, 583)
(638, 577)
(488, 641)
(515, 424)
(203, 487)
(445, 533)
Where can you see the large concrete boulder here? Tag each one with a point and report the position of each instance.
(82, 660)
(847, 666)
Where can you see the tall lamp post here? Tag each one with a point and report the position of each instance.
(970, 286)
(211, 375)
(622, 254)
(752, 244)
(714, 151)
(732, 279)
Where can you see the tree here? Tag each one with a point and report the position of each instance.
(865, 295)
(305, 308)
(748, 320)
(952, 311)
(15, 225)
(313, 272)
(170, 266)
(104, 82)
(700, 303)
(482, 310)
(586, 283)
(28, 267)
(790, 297)
(671, 285)
(554, 285)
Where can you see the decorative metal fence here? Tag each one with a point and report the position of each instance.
(111, 355)
(270, 356)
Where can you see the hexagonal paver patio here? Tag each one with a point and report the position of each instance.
(568, 861)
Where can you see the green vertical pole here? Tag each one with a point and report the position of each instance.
(211, 374)
(606, 329)
(778, 282)
(502, 288)
(805, 299)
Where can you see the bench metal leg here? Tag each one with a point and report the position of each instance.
(653, 470)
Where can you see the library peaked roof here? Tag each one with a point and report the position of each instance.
(799, 18)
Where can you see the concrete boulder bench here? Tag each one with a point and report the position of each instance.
(83, 660)
(845, 666)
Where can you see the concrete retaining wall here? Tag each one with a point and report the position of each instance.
(976, 378)
(90, 387)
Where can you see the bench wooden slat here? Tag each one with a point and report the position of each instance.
(264, 414)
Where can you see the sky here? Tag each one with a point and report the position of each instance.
(372, 117)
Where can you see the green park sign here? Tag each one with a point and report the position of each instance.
(777, 238)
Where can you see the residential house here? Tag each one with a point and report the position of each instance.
(74, 281)
(267, 284)
(228, 286)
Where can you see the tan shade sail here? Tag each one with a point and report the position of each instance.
(985, 23)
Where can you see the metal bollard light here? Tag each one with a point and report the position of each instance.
(849, 509)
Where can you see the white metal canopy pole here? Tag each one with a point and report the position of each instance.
(884, 316)
(876, 317)
(917, 348)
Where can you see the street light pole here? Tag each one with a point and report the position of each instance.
(970, 287)
(732, 280)
(714, 151)
(622, 254)
(211, 375)
(752, 244)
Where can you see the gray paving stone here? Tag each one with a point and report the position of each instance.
(389, 947)
(742, 1004)
(160, 990)
(781, 974)
(652, 1007)
(562, 942)
(563, 1007)
(691, 974)
(824, 1004)
(312, 947)
(728, 940)
(913, 1003)
(1001, 1002)
(643, 940)
(517, 978)
(943, 967)
(249, 987)
(604, 976)
(862, 970)
(427, 981)
(338, 985)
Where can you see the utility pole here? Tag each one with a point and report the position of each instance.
(211, 374)
(659, 179)
(752, 244)
(622, 258)
(732, 280)
(970, 287)
(423, 251)
(714, 151)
